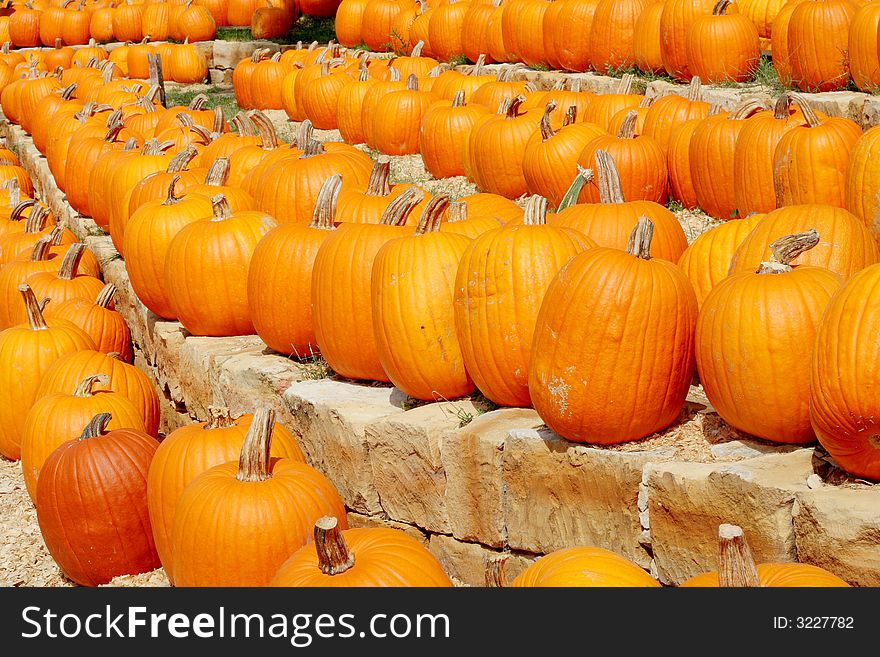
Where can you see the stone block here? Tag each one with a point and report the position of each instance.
(688, 501)
(405, 456)
(227, 54)
(561, 494)
(360, 520)
(475, 486)
(330, 418)
(839, 530)
(465, 563)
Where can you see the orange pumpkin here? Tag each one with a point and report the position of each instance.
(104, 325)
(583, 566)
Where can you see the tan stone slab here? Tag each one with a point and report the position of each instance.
(839, 530)
(360, 520)
(405, 456)
(475, 485)
(465, 563)
(561, 494)
(687, 502)
(227, 54)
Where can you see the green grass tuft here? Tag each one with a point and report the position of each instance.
(306, 29)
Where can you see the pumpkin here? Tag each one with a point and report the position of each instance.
(459, 221)
(722, 47)
(678, 163)
(862, 181)
(51, 105)
(551, 156)
(604, 106)
(67, 371)
(154, 187)
(500, 282)
(707, 259)
(349, 103)
(189, 451)
(811, 159)
(372, 97)
(468, 80)
(217, 9)
(320, 96)
(104, 325)
(737, 568)
(26, 352)
(280, 278)
(492, 94)
(475, 30)
(843, 373)
(237, 523)
(360, 557)
(647, 51)
(675, 22)
(760, 321)
(414, 325)
(101, 24)
(128, 21)
(846, 246)
(341, 282)
(367, 207)
(216, 182)
(753, 185)
(640, 161)
(24, 26)
(223, 244)
(408, 107)
(56, 418)
(612, 34)
(377, 18)
(82, 157)
(583, 566)
(154, 21)
(864, 59)
(817, 40)
(196, 23)
(445, 128)
(188, 64)
(606, 222)
(711, 154)
(349, 19)
(668, 113)
(24, 234)
(445, 29)
(571, 41)
(587, 378)
(92, 507)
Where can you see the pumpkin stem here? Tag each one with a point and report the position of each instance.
(477, 68)
(736, 567)
(496, 577)
(513, 108)
(219, 418)
(807, 108)
(305, 134)
(417, 49)
(782, 106)
(379, 184)
(254, 462)
(570, 116)
(198, 103)
(170, 198)
(398, 210)
(220, 208)
(185, 120)
(574, 191)
(130, 145)
(34, 313)
(19, 209)
(412, 82)
(334, 557)
(640, 239)
(324, 216)
(106, 295)
(244, 125)
(720, 7)
(786, 249)
(458, 100)
(608, 177)
(535, 213)
(394, 74)
(745, 109)
(625, 86)
(313, 148)
(67, 92)
(84, 389)
(547, 130)
(181, 161)
(57, 232)
(70, 264)
(218, 174)
(695, 89)
(628, 127)
(97, 426)
(40, 251)
(217, 126)
(432, 214)
(268, 136)
(363, 74)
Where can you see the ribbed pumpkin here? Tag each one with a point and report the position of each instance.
(445, 29)
(320, 96)
(551, 156)
(711, 153)
(26, 352)
(280, 278)
(594, 377)
(475, 30)
(216, 182)
(222, 245)
(127, 21)
(22, 236)
(864, 58)
(408, 107)
(678, 163)
(756, 144)
(707, 259)
(640, 161)
(760, 321)
(189, 451)
(360, 557)
(612, 34)
(667, 113)
(844, 374)
(571, 41)
(348, 108)
(64, 374)
(349, 19)
(154, 21)
(818, 37)
(57, 418)
(341, 283)
(811, 160)
(24, 26)
(197, 23)
(376, 92)
(722, 47)
(676, 20)
(862, 181)
(607, 222)
(736, 568)
(92, 507)
(845, 247)
(188, 64)
(376, 23)
(504, 87)
(414, 325)
(647, 51)
(583, 566)
(236, 523)
(496, 149)
(458, 220)
(103, 324)
(154, 187)
(82, 157)
(445, 128)
(243, 159)
(500, 283)
(604, 106)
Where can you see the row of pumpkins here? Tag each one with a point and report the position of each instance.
(816, 45)
(74, 22)
(484, 307)
(512, 140)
